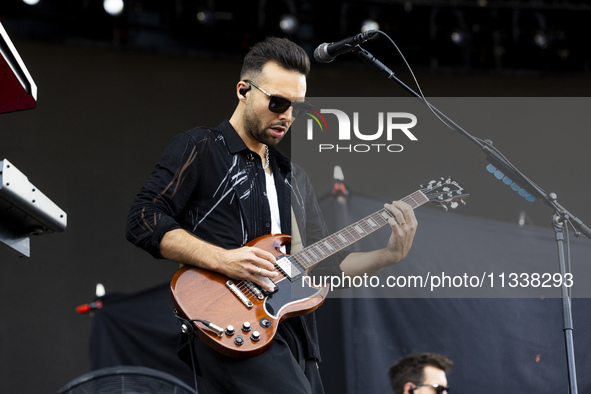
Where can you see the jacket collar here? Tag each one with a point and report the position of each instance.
(236, 144)
(233, 140)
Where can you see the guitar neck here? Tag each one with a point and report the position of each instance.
(328, 246)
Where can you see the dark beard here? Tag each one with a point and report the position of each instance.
(255, 129)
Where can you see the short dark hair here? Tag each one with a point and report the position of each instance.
(411, 368)
(282, 51)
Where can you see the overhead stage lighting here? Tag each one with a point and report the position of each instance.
(369, 24)
(113, 7)
(288, 24)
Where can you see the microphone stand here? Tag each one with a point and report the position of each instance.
(508, 171)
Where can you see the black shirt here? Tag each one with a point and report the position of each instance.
(209, 183)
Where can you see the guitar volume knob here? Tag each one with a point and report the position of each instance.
(255, 336)
(246, 326)
(230, 330)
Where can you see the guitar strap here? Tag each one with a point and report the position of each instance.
(296, 239)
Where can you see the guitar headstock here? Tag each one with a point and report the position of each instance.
(445, 192)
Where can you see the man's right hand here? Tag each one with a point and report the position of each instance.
(248, 263)
(245, 263)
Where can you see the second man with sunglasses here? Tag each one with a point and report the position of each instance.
(216, 188)
(420, 373)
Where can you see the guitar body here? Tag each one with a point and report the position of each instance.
(202, 294)
(217, 299)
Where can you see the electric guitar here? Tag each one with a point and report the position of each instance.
(239, 319)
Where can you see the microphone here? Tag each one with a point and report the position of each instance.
(326, 53)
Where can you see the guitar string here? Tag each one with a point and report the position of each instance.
(350, 232)
(244, 287)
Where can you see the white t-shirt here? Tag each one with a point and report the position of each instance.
(273, 204)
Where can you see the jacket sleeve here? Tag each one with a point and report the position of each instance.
(164, 195)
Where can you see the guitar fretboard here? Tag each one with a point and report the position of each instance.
(326, 247)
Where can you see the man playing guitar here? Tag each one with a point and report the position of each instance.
(217, 188)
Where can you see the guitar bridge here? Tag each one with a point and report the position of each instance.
(254, 289)
(238, 293)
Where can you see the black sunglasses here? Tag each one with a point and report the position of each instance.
(278, 104)
(439, 389)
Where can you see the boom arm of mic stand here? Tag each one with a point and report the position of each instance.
(384, 70)
(493, 155)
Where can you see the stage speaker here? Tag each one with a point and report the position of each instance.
(126, 380)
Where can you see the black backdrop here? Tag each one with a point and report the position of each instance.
(498, 345)
(102, 120)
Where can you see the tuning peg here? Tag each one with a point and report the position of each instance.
(444, 207)
(454, 205)
(463, 202)
(422, 186)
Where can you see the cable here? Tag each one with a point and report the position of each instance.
(483, 143)
(412, 74)
(188, 330)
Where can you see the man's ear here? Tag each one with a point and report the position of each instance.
(245, 88)
(409, 388)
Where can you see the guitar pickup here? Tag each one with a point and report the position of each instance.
(269, 282)
(287, 267)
